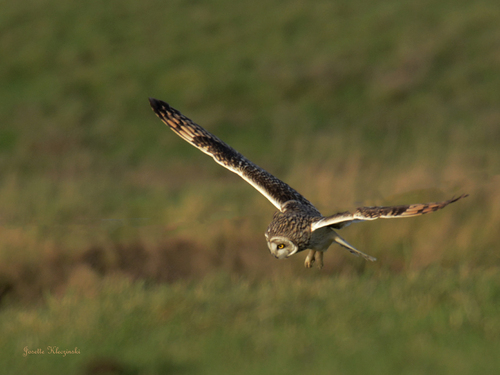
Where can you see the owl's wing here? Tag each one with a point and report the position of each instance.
(344, 219)
(272, 188)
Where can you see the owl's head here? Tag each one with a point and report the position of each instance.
(281, 247)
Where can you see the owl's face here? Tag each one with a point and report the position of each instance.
(281, 247)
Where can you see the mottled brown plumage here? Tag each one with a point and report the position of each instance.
(298, 225)
(344, 219)
(274, 189)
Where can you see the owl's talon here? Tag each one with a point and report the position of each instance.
(310, 259)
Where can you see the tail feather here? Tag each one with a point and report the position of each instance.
(351, 248)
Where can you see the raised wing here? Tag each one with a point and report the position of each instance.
(344, 219)
(272, 188)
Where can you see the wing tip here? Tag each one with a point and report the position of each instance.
(157, 104)
(452, 200)
(170, 116)
(153, 102)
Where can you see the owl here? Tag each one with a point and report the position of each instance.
(297, 225)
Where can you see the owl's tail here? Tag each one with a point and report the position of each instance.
(351, 248)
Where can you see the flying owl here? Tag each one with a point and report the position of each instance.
(297, 225)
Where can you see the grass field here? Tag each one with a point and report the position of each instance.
(120, 239)
(437, 321)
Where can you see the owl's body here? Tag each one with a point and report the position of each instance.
(297, 225)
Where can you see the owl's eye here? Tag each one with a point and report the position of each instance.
(281, 246)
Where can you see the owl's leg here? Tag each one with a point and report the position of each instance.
(310, 259)
(319, 258)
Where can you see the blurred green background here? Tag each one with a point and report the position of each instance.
(119, 238)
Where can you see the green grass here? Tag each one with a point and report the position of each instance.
(119, 238)
(441, 321)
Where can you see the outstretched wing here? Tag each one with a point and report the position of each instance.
(344, 219)
(272, 188)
